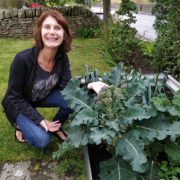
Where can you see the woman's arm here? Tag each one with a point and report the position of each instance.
(16, 85)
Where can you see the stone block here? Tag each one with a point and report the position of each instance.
(29, 22)
(21, 13)
(139, 6)
(7, 14)
(69, 11)
(75, 10)
(82, 9)
(38, 11)
(2, 13)
(28, 13)
(34, 12)
(14, 12)
(62, 10)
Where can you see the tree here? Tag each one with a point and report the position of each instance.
(106, 9)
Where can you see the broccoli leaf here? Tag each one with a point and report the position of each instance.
(62, 150)
(151, 110)
(158, 127)
(113, 124)
(116, 169)
(130, 146)
(135, 89)
(76, 137)
(135, 113)
(173, 151)
(99, 135)
(116, 76)
(173, 111)
(85, 116)
(76, 97)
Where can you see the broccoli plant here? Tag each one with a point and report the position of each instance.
(129, 116)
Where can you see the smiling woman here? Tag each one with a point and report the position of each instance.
(37, 77)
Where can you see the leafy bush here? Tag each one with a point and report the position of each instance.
(119, 43)
(166, 51)
(8, 4)
(129, 116)
(52, 3)
(86, 32)
(147, 48)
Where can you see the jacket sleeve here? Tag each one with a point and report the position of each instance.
(66, 72)
(16, 86)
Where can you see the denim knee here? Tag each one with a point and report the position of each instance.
(40, 140)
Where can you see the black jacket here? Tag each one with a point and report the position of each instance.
(17, 98)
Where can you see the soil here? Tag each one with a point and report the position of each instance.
(97, 153)
(142, 63)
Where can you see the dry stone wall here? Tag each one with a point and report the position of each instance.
(20, 23)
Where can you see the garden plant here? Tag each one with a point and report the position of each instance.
(166, 51)
(132, 116)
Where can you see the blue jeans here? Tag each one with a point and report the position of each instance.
(36, 134)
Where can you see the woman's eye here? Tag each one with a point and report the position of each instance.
(57, 28)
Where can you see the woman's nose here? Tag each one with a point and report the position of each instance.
(52, 31)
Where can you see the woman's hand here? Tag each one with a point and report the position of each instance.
(50, 126)
(96, 86)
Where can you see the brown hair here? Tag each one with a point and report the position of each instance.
(66, 45)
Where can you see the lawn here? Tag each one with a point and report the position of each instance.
(84, 52)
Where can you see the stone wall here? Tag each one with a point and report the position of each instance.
(20, 23)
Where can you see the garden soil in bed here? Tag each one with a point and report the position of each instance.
(97, 153)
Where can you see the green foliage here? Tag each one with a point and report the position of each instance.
(72, 161)
(147, 48)
(169, 171)
(124, 117)
(119, 42)
(52, 3)
(8, 4)
(166, 52)
(86, 32)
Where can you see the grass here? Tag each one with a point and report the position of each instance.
(85, 52)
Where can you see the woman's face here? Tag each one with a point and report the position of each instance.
(52, 33)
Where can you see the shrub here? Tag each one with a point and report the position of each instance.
(8, 4)
(119, 42)
(166, 53)
(86, 32)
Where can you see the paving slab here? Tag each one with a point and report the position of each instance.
(30, 170)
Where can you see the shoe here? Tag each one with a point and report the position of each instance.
(56, 135)
(16, 139)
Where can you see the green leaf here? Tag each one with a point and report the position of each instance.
(116, 76)
(173, 151)
(76, 97)
(62, 150)
(113, 124)
(161, 102)
(174, 112)
(76, 137)
(164, 166)
(135, 89)
(116, 169)
(85, 116)
(151, 110)
(130, 146)
(157, 127)
(135, 113)
(98, 135)
(155, 170)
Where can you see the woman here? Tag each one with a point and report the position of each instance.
(37, 77)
